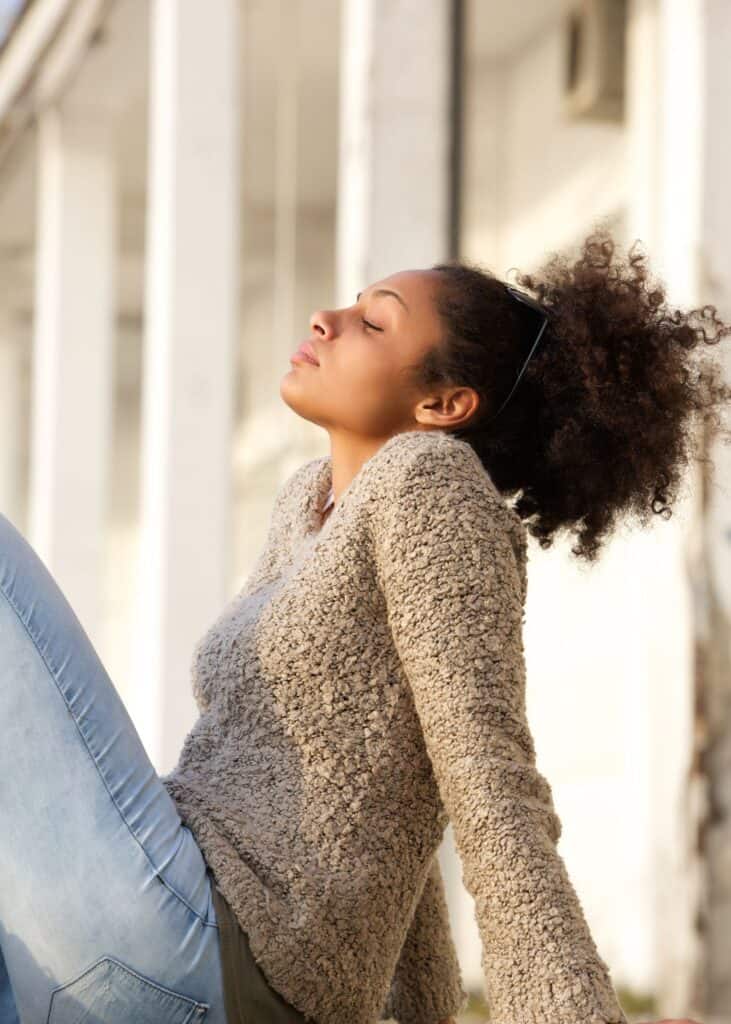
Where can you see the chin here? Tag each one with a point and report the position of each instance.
(294, 393)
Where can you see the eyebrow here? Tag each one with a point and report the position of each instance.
(385, 291)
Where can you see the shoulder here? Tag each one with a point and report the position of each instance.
(417, 465)
(432, 491)
(438, 455)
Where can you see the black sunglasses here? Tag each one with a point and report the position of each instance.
(526, 300)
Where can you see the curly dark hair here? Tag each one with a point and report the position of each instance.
(603, 418)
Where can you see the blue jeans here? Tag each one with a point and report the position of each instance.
(106, 909)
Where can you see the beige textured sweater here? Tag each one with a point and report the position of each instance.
(365, 686)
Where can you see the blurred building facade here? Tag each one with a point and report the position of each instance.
(183, 184)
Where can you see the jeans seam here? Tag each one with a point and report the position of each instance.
(52, 674)
(196, 1004)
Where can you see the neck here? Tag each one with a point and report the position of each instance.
(347, 455)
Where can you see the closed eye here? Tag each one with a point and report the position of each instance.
(372, 326)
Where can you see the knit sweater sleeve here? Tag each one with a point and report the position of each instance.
(427, 983)
(452, 574)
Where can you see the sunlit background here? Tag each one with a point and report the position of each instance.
(183, 183)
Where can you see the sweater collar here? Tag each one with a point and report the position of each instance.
(320, 482)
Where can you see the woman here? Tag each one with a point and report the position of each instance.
(365, 687)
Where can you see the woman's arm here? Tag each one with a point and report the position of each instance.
(427, 983)
(452, 585)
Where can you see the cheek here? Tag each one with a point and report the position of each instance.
(362, 367)
(366, 383)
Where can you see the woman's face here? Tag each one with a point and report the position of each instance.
(365, 352)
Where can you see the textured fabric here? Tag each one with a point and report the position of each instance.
(366, 686)
(427, 955)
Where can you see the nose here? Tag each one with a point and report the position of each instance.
(320, 322)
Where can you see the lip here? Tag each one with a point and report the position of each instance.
(305, 353)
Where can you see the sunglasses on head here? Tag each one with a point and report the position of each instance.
(536, 307)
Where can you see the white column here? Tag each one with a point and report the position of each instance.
(191, 314)
(12, 412)
(669, 96)
(681, 146)
(642, 120)
(285, 326)
(677, 260)
(393, 189)
(714, 606)
(639, 958)
(73, 344)
(665, 82)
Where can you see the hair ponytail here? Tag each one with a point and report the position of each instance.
(603, 420)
